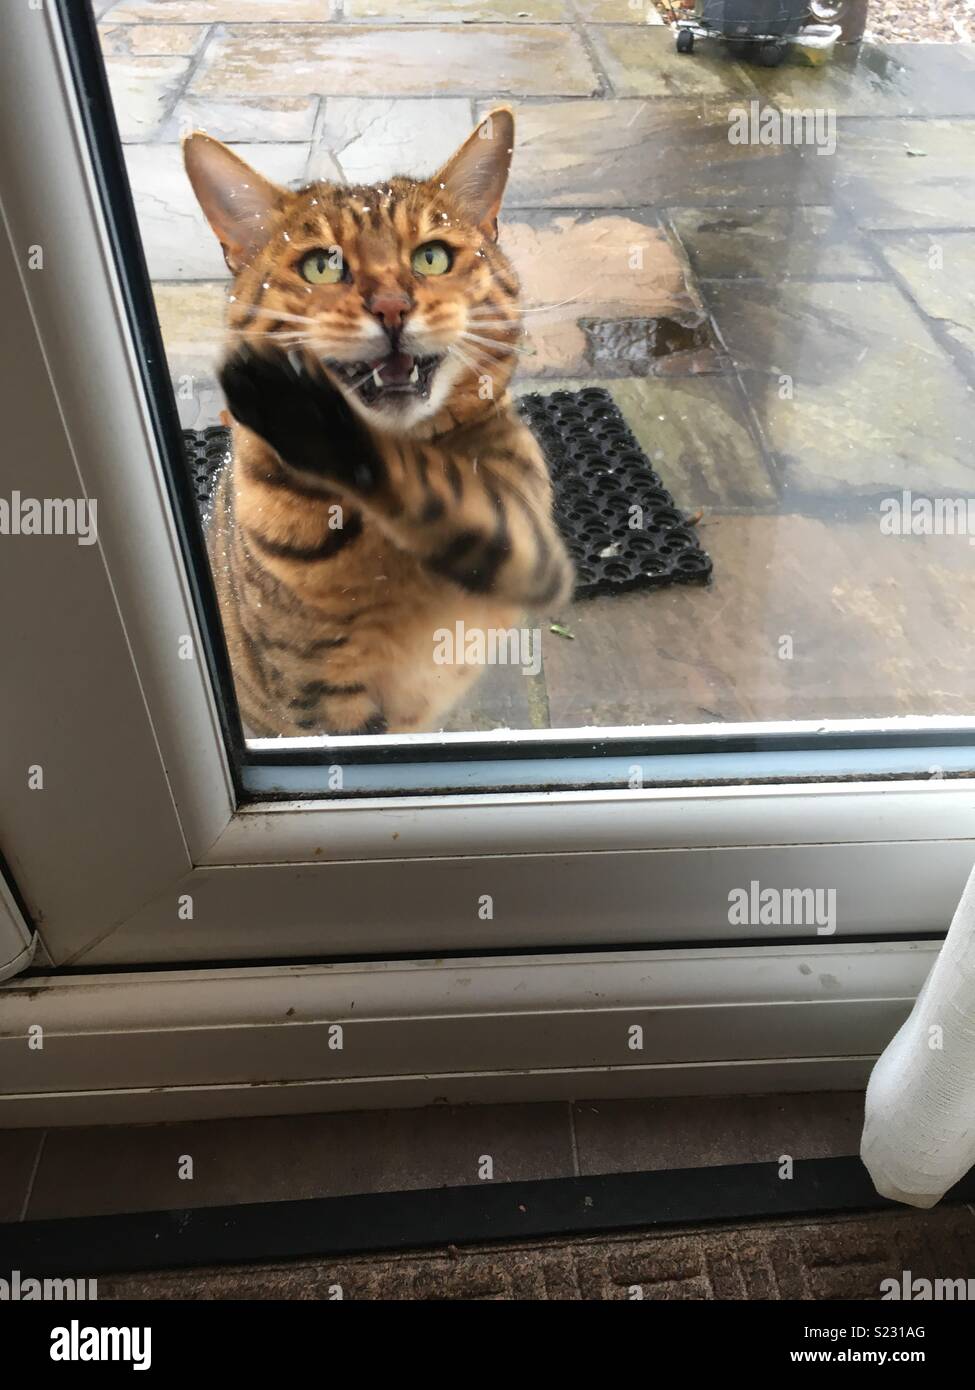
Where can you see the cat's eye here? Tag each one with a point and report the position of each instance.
(432, 259)
(323, 267)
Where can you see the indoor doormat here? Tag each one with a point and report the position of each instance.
(832, 1258)
(620, 524)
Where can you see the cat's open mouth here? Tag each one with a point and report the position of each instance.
(395, 378)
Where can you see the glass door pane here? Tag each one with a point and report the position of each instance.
(743, 342)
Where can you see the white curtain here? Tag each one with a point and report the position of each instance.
(919, 1131)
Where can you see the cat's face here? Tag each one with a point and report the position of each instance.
(398, 289)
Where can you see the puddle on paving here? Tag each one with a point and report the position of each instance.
(637, 343)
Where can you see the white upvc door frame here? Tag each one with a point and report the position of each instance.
(135, 851)
(18, 941)
(261, 1041)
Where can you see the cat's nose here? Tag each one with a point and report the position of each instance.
(390, 308)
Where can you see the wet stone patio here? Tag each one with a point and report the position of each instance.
(819, 307)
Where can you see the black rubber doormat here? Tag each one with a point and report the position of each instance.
(622, 527)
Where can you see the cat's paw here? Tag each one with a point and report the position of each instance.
(264, 392)
(304, 418)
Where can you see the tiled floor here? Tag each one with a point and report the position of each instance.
(95, 1171)
(837, 292)
(106, 1170)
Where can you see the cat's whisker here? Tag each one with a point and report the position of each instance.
(550, 316)
(354, 385)
(252, 337)
(605, 307)
(561, 309)
(497, 345)
(483, 354)
(284, 340)
(469, 362)
(505, 324)
(542, 308)
(511, 313)
(469, 354)
(312, 339)
(546, 312)
(497, 330)
(273, 313)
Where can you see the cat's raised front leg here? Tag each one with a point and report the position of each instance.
(473, 506)
(296, 409)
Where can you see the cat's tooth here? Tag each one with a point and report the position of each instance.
(415, 374)
(295, 359)
(377, 379)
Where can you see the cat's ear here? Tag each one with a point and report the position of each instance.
(238, 203)
(477, 173)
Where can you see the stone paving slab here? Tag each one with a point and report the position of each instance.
(191, 316)
(938, 269)
(144, 91)
(879, 625)
(619, 11)
(906, 175)
(369, 138)
(879, 80)
(247, 119)
(645, 63)
(458, 11)
(139, 40)
(611, 280)
(772, 244)
(402, 60)
(179, 245)
(217, 11)
(826, 368)
(600, 153)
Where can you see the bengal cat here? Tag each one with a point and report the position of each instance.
(382, 487)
